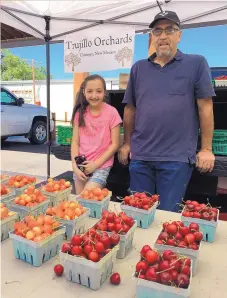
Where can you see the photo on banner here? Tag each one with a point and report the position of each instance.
(107, 48)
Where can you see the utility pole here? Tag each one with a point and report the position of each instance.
(33, 80)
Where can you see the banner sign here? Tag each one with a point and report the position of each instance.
(109, 48)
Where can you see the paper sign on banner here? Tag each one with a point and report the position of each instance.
(109, 48)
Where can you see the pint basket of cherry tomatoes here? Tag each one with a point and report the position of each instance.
(204, 215)
(37, 239)
(31, 202)
(89, 258)
(7, 194)
(4, 178)
(72, 215)
(166, 274)
(20, 183)
(141, 207)
(97, 200)
(122, 225)
(7, 221)
(57, 190)
(181, 239)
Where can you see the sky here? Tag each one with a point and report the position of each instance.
(210, 42)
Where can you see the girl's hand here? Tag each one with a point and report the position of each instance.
(80, 175)
(89, 167)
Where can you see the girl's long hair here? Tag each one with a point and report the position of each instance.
(81, 102)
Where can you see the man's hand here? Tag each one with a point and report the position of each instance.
(123, 154)
(205, 161)
(89, 167)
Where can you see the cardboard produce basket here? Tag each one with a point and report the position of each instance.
(75, 226)
(126, 242)
(96, 207)
(208, 228)
(151, 289)
(37, 253)
(4, 180)
(34, 210)
(190, 253)
(143, 217)
(8, 197)
(20, 190)
(58, 196)
(7, 225)
(87, 273)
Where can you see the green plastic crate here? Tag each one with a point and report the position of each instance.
(64, 134)
(220, 142)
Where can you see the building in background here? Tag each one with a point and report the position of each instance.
(61, 94)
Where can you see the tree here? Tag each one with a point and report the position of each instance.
(124, 53)
(72, 59)
(14, 68)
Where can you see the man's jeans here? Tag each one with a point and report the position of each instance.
(169, 179)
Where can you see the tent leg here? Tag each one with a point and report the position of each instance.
(47, 39)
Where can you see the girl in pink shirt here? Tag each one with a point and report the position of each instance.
(96, 134)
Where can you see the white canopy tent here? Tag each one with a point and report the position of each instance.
(48, 21)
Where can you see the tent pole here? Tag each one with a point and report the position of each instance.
(47, 40)
(22, 21)
(110, 20)
(3, 7)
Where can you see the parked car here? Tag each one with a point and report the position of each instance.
(22, 119)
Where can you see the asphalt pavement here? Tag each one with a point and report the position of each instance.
(18, 155)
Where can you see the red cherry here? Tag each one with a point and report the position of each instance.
(105, 240)
(144, 249)
(178, 236)
(58, 269)
(115, 279)
(186, 270)
(189, 238)
(151, 275)
(171, 229)
(168, 255)
(166, 278)
(198, 236)
(99, 247)
(66, 247)
(87, 249)
(193, 227)
(182, 280)
(115, 238)
(182, 244)
(163, 265)
(76, 250)
(174, 274)
(151, 256)
(76, 240)
(171, 242)
(184, 231)
(93, 256)
(141, 267)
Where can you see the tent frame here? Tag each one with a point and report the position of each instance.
(93, 23)
(48, 38)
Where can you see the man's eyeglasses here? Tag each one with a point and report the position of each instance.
(168, 31)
